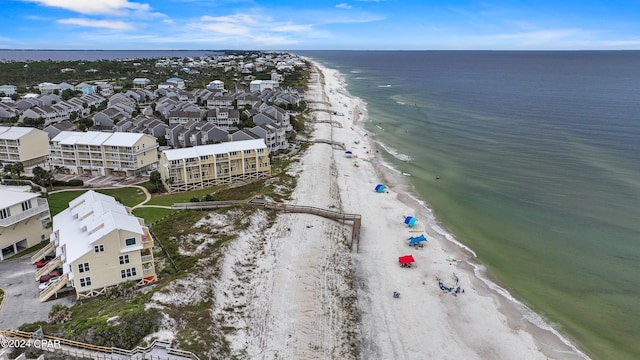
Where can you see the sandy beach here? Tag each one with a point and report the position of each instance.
(306, 293)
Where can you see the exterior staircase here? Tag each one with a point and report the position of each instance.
(52, 289)
(53, 264)
(43, 252)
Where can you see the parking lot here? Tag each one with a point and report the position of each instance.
(21, 304)
(102, 181)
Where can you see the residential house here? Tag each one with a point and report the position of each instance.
(177, 82)
(202, 166)
(216, 84)
(260, 85)
(98, 244)
(99, 154)
(85, 88)
(184, 116)
(24, 220)
(104, 88)
(8, 89)
(54, 129)
(141, 82)
(224, 118)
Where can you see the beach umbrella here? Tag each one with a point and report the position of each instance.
(417, 239)
(348, 154)
(381, 188)
(410, 220)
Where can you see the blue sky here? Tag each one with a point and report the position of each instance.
(320, 25)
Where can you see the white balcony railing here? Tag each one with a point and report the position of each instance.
(23, 215)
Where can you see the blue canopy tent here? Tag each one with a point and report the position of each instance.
(410, 220)
(381, 188)
(348, 154)
(415, 240)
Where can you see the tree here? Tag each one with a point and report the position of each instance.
(156, 179)
(41, 176)
(15, 169)
(18, 168)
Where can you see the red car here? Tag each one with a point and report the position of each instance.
(45, 278)
(41, 263)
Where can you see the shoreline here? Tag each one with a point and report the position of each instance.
(518, 317)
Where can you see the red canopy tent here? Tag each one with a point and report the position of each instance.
(406, 260)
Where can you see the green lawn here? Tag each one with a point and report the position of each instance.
(170, 199)
(151, 215)
(128, 196)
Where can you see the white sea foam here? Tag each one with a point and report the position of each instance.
(384, 86)
(393, 152)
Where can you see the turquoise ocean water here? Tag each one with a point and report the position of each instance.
(538, 155)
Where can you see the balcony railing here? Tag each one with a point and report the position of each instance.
(24, 215)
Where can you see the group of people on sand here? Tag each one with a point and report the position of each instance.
(454, 290)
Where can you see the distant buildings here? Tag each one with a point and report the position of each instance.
(260, 85)
(24, 221)
(98, 244)
(207, 165)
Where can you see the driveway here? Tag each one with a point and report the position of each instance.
(21, 303)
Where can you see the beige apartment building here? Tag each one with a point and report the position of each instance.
(199, 167)
(97, 153)
(29, 146)
(24, 220)
(98, 244)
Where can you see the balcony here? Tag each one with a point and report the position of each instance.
(147, 258)
(41, 207)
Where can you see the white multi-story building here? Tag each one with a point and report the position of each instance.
(208, 165)
(98, 244)
(96, 153)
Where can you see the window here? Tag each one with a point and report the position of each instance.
(124, 259)
(26, 205)
(247, 152)
(85, 281)
(83, 267)
(5, 213)
(130, 241)
(125, 273)
(233, 153)
(98, 248)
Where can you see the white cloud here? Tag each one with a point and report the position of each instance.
(104, 24)
(540, 35)
(344, 6)
(111, 7)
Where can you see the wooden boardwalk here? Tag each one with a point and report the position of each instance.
(355, 219)
(157, 350)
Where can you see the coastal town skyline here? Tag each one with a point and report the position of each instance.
(316, 25)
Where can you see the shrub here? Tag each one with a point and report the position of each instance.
(75, 182)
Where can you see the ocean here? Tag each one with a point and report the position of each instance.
(530, 159)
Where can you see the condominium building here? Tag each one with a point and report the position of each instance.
(97, 153)
(24, 220)
(98, 244)
(27, 145)
(208, 165)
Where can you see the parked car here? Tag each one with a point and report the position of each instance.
(47, 283)
(41, 263)
(45, 278)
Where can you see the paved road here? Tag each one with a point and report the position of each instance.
(21, 304)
